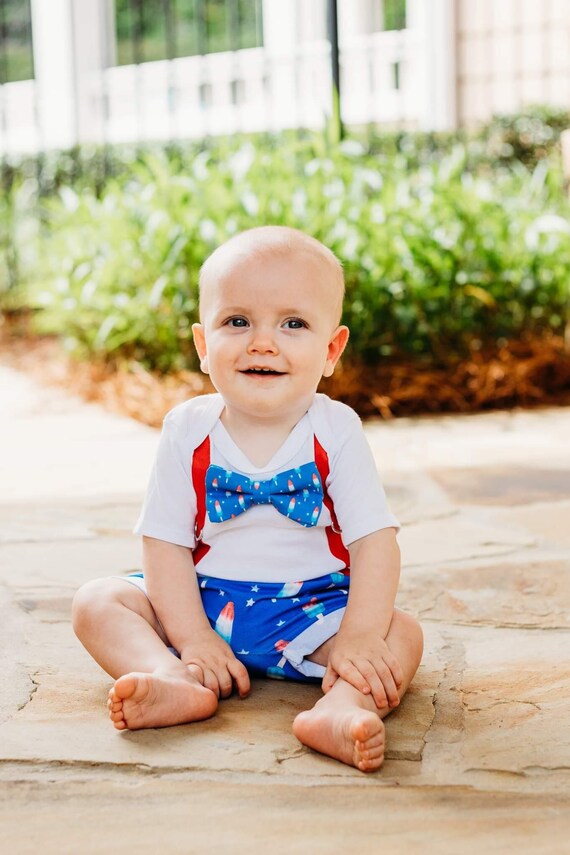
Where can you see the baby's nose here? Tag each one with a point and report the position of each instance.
(262, 341)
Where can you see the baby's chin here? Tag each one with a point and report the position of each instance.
(266, 407)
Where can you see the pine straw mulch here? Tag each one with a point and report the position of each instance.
(530, 373)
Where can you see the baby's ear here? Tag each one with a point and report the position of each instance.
(336, 347)
(200, 345)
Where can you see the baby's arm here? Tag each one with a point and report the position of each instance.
(175, 596)
(360, 654)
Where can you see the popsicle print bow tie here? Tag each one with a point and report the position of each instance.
(296, 493)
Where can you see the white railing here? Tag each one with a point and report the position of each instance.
(250, 90)
(224, 93)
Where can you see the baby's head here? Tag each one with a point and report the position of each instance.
(273, 243)
(270, 307)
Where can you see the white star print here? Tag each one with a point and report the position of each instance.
(281, 623)
(250, 602)
(222, 593)
(295, 600)
(255, 589)
(243, 653)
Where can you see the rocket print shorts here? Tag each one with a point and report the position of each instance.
(273, 627)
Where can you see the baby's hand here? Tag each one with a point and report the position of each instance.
(212, 661)
(366, 662)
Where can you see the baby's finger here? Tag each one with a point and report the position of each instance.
(196, 670)
(389, 686)
(239, 672)
(349, 672)
(373, 679)
(329, 679)
(211, 681)
(224, 682)
(395, 668)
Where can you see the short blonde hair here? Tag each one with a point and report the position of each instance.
(265, 242)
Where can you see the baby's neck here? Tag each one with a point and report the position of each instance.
(258, 441)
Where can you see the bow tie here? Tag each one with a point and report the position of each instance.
(296, 493)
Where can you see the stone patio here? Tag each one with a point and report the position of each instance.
(479, 751)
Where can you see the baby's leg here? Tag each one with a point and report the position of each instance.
(116, 623)
(346, 724)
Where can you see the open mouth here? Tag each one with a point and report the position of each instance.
(263, 372)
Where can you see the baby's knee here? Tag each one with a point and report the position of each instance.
(411, 631)
(88, 603)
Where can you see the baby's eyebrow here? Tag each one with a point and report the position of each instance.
(286, 312)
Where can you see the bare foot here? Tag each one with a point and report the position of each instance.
(347, 732)
(159, 699)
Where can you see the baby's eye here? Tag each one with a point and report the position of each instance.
(294, 324)
(237, 322)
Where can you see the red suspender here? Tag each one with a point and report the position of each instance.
(200, 463)
(334, 536)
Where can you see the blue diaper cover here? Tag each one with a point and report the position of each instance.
(272, 627)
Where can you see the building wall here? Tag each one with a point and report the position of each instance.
(510, 54)
(457, 62)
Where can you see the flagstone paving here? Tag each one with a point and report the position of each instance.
(479, 751)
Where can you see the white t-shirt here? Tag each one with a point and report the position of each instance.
(262, 544)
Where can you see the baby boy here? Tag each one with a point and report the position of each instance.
(268, 547)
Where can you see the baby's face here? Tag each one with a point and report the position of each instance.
(269, 332)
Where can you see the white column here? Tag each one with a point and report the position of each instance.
(71, 43)
(434, 70)
(358, 18)
(94, 43)
(294, 35)
(287, 24)
(53, 64)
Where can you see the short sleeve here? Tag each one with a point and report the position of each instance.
(355, 488)
(169, 508)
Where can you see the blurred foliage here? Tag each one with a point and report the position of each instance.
(504, 142)
(16, 55)
(445, 250)
(526, 138)
(394, 13)
(154, 30)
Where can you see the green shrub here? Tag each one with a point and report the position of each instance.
(526, 137)
(116, 272)
(18, 242)
(437, 260)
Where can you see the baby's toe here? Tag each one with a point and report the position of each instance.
(370, 758)
(369, 765)
(372, 753)
(366, 726)
(374, 742)
(116, 715)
